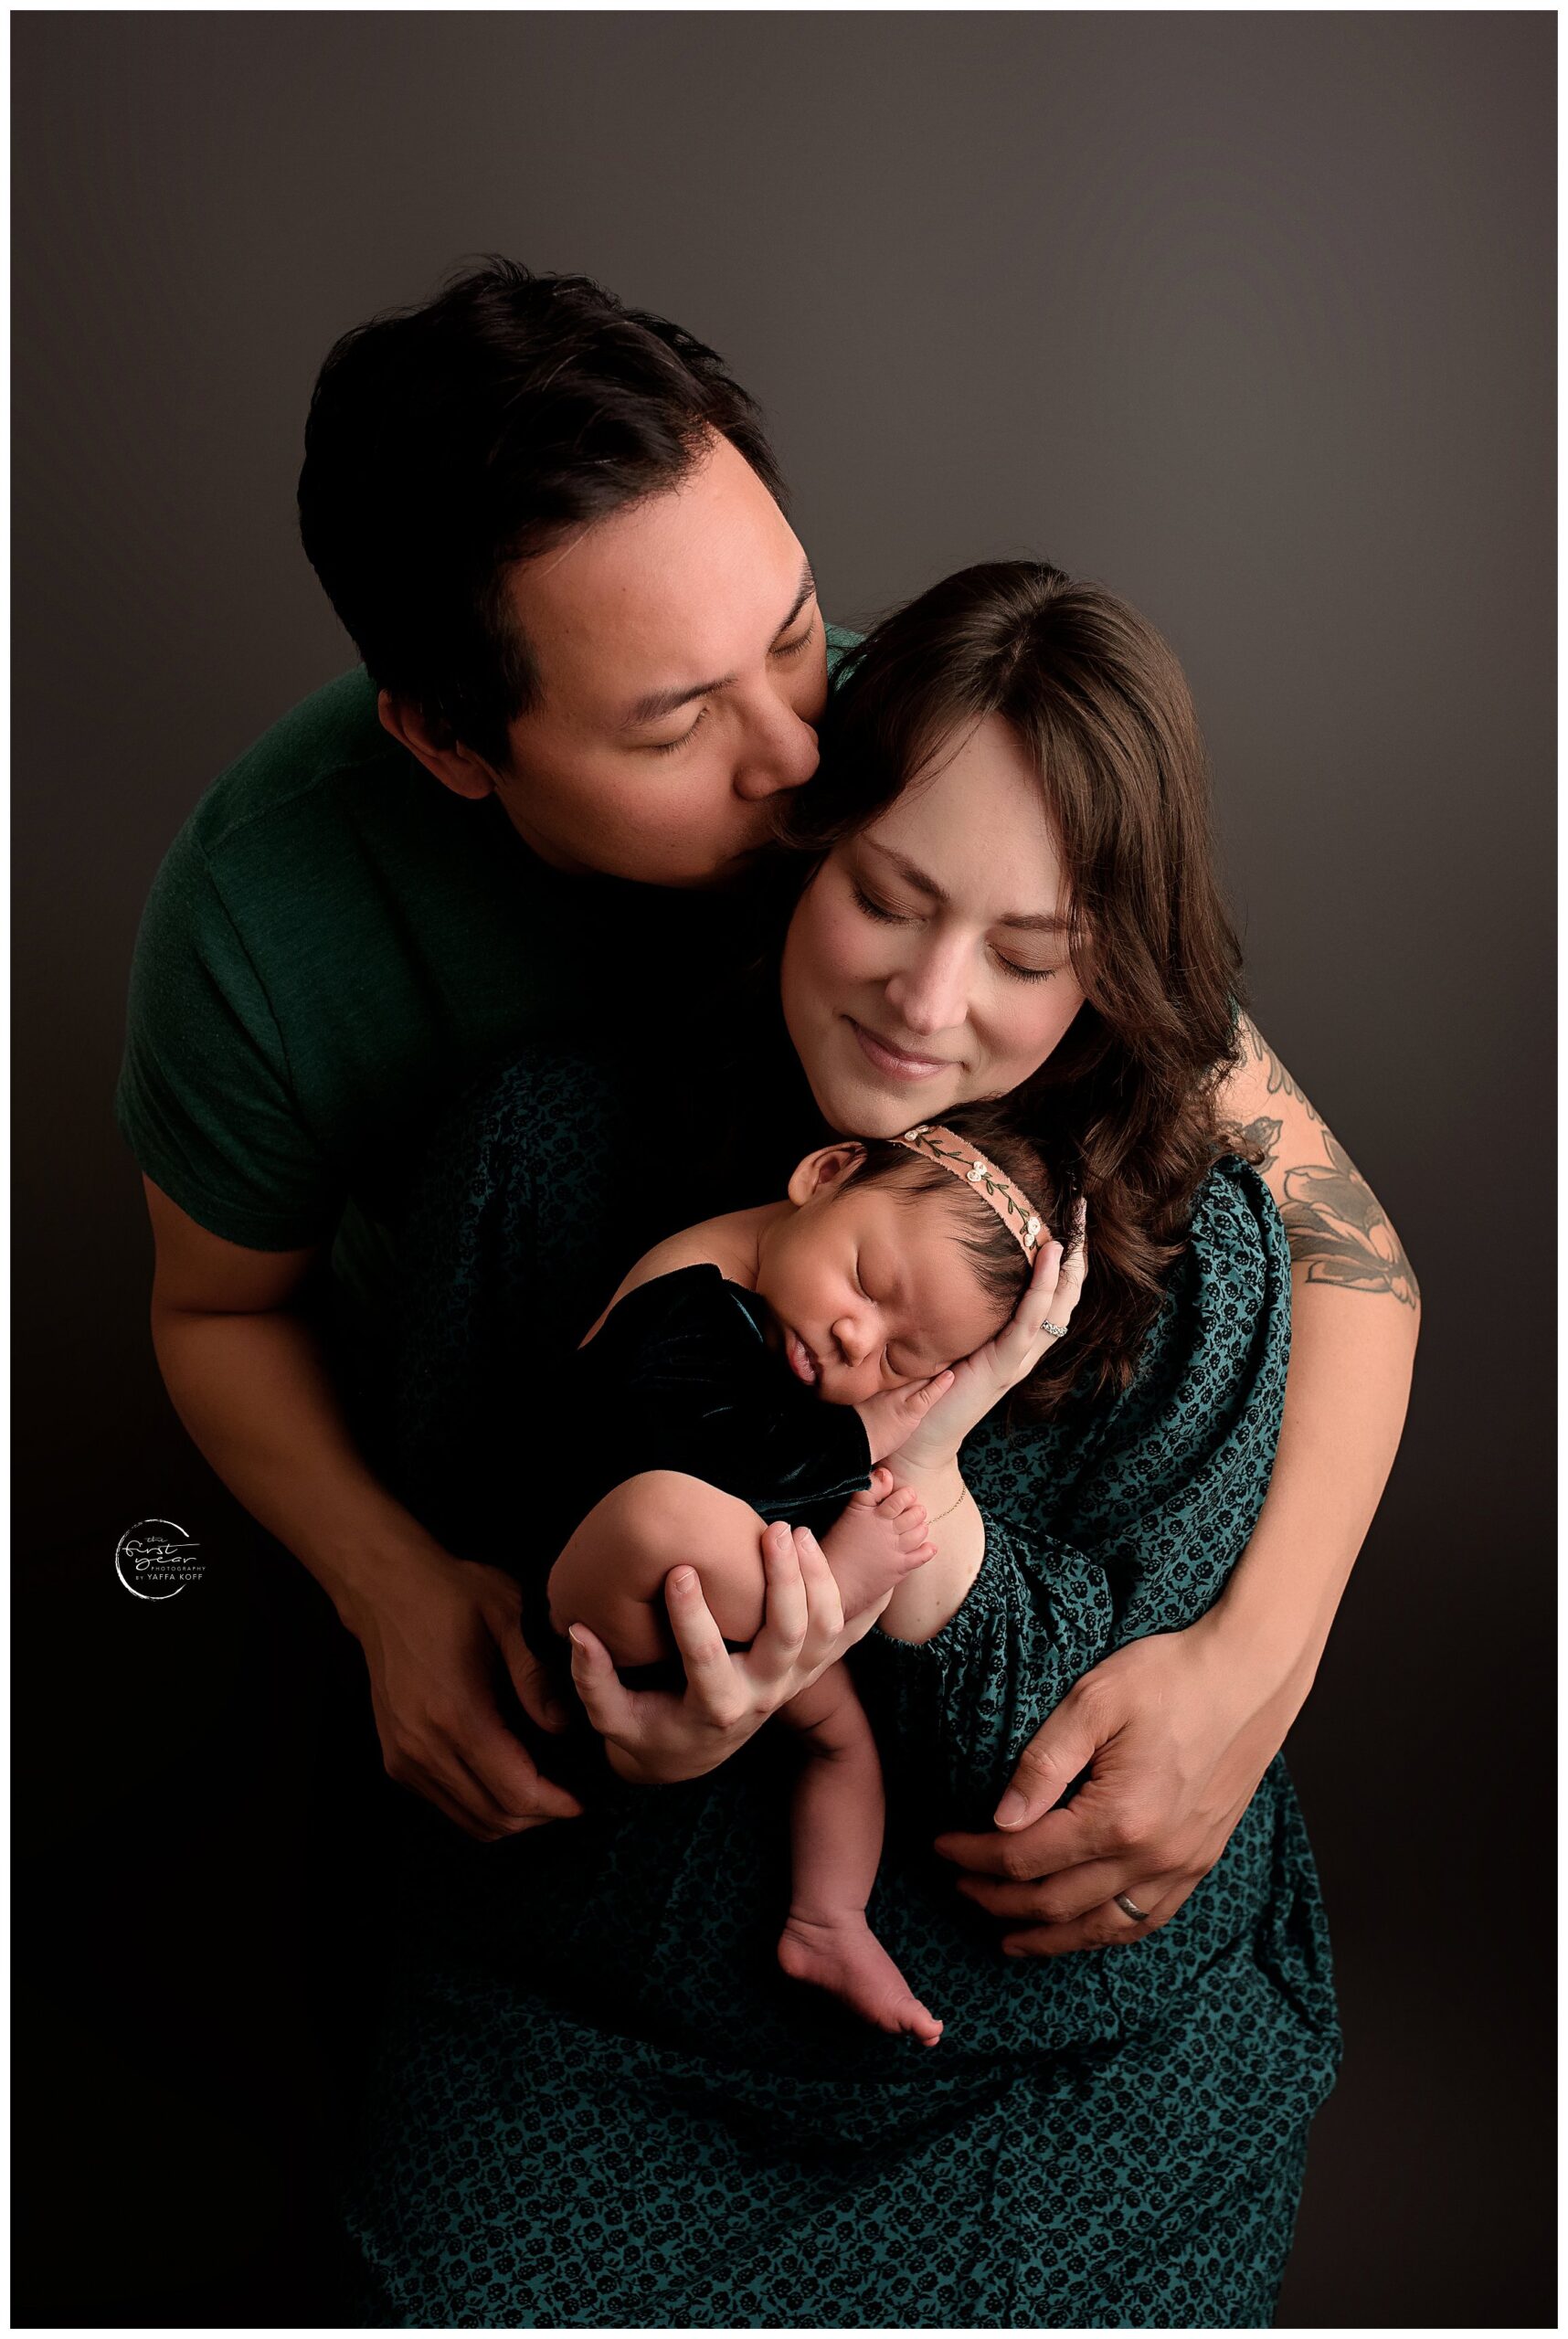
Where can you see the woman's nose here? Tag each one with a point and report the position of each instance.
(931, 993)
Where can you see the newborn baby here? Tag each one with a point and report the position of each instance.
(759, 1366)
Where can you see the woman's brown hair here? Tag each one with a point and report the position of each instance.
(1126, 1101)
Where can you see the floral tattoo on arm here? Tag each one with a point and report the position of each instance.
(1337, 1228)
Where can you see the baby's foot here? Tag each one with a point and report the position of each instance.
(846, 1958)
(875, 1542)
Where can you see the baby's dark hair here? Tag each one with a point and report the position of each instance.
(1052, 1189)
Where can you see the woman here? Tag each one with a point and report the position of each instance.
(603, 2105)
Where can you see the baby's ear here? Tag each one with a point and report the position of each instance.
(822, 1170)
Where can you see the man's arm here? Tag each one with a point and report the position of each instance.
(247, 1378)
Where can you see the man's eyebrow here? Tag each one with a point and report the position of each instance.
(1041, 921)
(803, 593)
(654, 705)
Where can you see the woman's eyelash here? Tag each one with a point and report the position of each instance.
(669, 747)
(875, 910)
(793, 648)
(892, 918)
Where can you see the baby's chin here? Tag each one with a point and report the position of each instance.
(847, 1394)
(826, 1394)
(835, 1387)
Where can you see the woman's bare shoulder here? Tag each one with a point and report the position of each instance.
(728, 1244)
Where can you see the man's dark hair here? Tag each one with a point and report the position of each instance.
(445, 442)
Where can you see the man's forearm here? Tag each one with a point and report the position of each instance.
(254, 1393)
(1349, 1384)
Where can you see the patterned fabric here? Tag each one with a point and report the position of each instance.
(600, 2103)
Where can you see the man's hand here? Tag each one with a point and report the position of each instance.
(432, 1634)
(1178, 1737)
(246, 1371)
(652, 1736)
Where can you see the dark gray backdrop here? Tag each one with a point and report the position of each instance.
(1249, 316)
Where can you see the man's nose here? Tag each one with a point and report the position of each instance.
(931, 992)
(781, 753)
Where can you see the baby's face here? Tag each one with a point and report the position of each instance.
(872, 1288)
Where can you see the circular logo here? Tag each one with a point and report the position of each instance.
(156, 1558)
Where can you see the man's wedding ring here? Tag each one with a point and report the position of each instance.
(1057, 1331)
(1130, 1908)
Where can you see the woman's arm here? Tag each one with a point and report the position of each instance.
(1356, 1312)
(1339, 1231)
(1180, 1728)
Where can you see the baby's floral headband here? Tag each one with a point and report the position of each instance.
(935, 1143)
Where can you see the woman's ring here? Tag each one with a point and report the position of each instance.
(1130, 1908)
(1057, 1331)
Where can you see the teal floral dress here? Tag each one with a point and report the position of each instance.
(598, 2102)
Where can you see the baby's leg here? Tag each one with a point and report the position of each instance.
(611, 1574)
(874, 1542)
(836, 1841)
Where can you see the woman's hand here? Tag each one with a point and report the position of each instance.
(1178, 1735)
(652, 1736)
(980, 1380)
(435, 1632)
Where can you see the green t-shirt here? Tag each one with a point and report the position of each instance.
(333, 943)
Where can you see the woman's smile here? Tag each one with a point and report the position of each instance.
(898, 1064)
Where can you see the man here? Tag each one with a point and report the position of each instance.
(592, 657)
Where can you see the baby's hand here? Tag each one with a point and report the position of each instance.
(889, 1419)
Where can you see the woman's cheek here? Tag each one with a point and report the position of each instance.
(1014, 1044)
(1047, 1029)
(818, 961)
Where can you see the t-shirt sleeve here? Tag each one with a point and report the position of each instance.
(204, 1099)
(1164, 1484)
(841, 640)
